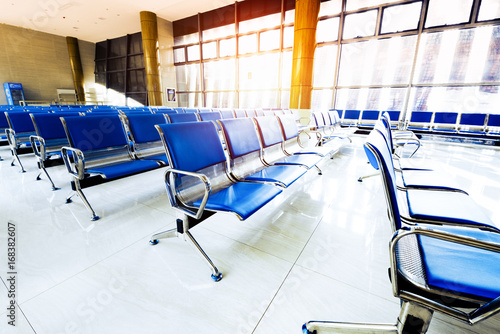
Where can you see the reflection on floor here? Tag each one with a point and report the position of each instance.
(318, 251)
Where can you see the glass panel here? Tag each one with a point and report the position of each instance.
(219, 75)
(376, 62)
(324, 66)
(285, 99)
(117, 47)
(259, 72)
(100, 66)
(136, 99)
(269, 40)
(288, 37)
(100, 50)
(370, 98)
(117, 64)
(327, 30)
(193, 52)
(209, 50)
(116, 81)
(136, 81)
(290, 16)
(247, 44)
(360, 24)
(135, 43)
(260, 23)
(219, 32)
(357, 4)
(260, 99)
(440, 13)
(286, 72)
(401, 18)
(188, 77)
(227, 47)
(186, 39)
(484, 99)
(190, 100)
(489, 10)
(220, 100)
(179, 55)
(321, 100)
(136, 61)
(330, 8)
(458, 56)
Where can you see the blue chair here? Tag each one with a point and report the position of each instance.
(493, 126)
(271, 139)
(190, 110)
(18, 134)
(198, 185)
(245, 162)
(210, 116)
(182, 118)
(472, 124)
(445, 122)
(399, 138)
(227, 113)
(50, 138)
(368, 119)
(146, 143)
(179, 110)
(420, 121)
(445, 268)
(350, 118)
(394, 115)
(239, 113)
(100, 151)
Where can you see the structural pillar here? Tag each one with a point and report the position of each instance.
(76, 67)
(149, 30)
(304, 45)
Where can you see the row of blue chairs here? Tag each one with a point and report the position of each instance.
(444, 252)
(447, 123)
(254, 162)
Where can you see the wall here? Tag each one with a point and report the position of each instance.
(40, 62)
(166, 59)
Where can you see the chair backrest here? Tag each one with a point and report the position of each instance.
(474, 119)
(179, 110)
(192, 146)
(289, 127)
(370, 115)
(241, 136)
(445, 120)
(334, 116)
(240, 113)
(421, 117)
(210, 116)
(380, 157)
(351, 116)
(142, 126)
(49, 126)
(259, 112)
(318, 119)
(190, 110)
(494, 120)
(269, 130)
(227, 113)
(20, 121)
(268, 112)
(384, 126)
(200, 110)
(182, 118)
(91, 133)
(250, 113)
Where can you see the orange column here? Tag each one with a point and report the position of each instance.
(304, 45)
(149, 30)
(76, 68)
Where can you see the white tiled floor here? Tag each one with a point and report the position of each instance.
(318, 251)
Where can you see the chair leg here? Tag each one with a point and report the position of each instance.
(16, 157)
(413, 319)
(42, 167)
(361, 178)
(79, 191)
(183, 229)
(320, 172)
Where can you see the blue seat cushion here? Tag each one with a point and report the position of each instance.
(450, 207)
(284, 174)
(460, 268)
(159, 157)
(428, 179)
(124, 168)
(308, 160)
(241, 198)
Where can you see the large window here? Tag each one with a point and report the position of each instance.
(119, 66)
(377, 54)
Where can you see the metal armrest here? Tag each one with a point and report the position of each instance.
(11, 137)
(169, 180)
(38, 145)
(475, 316)
(77, 166)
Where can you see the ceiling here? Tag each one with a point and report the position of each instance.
(96, 20)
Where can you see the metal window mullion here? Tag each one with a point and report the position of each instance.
(202, 72)
(237, 57)
(280, 65)
(339, 49)
(423, 13)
